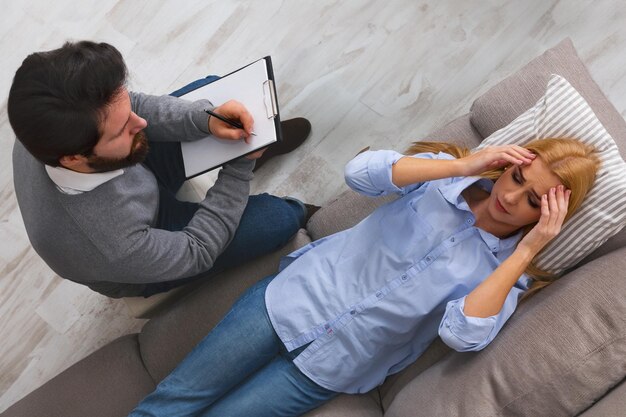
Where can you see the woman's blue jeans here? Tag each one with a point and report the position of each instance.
(241, 368)
(266, 225)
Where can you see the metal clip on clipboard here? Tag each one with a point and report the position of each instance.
(269, 99)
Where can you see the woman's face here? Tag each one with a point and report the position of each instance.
(516, 196)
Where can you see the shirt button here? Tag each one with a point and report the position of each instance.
(379, 294)
(353, 312)
(468, 221)
(452, 239)
(428, 258)
(327, 326)
(404, 277)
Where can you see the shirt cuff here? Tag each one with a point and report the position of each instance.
(379, 169)
(464, 333)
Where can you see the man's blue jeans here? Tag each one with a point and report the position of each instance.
(241, 368)
(266, 225)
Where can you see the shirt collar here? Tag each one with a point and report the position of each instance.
(496, 244)
(452, 193)
(72, 182)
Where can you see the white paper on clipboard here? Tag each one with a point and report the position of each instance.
(250, 86)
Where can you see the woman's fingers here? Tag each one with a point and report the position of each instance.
(525, 152)
(554, 208)
(495, 157)
(563, 200)
(557, 204)
(505, 158)
(513, 154)
(545, 210)
(553, 211)
(521, 154)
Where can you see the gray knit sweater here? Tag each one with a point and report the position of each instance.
(105, 238)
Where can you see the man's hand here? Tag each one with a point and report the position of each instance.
(235, 111)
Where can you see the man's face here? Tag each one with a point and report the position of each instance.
(123, 142)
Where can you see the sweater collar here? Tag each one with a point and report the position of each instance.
(72, 182)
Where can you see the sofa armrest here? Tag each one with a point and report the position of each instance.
(612, 404)
(563, 349)
(107, 383)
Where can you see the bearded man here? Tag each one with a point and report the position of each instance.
(96, 169)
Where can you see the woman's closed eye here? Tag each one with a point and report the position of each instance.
(518, 180)
(532, 203)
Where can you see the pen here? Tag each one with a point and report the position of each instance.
(228, 121)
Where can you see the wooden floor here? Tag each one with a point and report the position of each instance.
(378, 73)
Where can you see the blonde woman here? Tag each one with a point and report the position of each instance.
(448, 258)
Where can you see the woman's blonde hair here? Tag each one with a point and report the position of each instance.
(573, 162)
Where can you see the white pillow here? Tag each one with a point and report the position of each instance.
(563, 112)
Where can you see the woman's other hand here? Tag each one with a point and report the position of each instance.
(553, 210)
(493, 157)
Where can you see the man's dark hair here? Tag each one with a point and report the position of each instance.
(59, 98)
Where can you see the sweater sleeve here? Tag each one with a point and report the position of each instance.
(154, 255)
(172, 119)
(466, 333)
(369, 173)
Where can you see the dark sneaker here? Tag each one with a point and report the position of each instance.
(310, 211)
(295, 131)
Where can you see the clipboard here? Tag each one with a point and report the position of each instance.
(252, 85)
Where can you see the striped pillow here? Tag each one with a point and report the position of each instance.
(563, 112)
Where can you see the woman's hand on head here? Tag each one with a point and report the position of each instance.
(493, 157)
(553, 211)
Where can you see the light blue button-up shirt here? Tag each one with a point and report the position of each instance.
(372, 298)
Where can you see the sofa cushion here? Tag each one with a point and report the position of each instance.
(363, 405)
(563, 112)
(108, 383)
(396, 383)
(612, 404)
(167, 338)
(562, 349)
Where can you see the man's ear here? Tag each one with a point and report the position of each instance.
(76, 162)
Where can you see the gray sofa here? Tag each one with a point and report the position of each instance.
(562, 353)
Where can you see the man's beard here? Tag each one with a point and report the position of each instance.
(138, 152)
